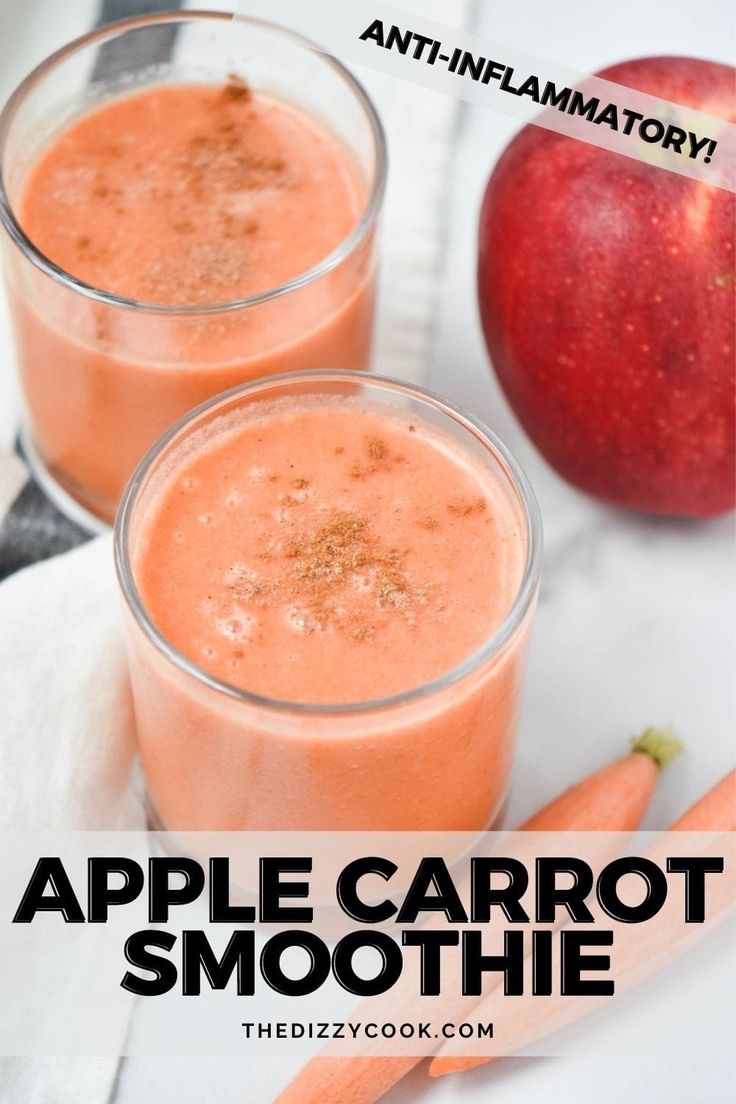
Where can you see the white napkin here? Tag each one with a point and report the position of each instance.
(66, 749)
(56, 1080)
(66, 740)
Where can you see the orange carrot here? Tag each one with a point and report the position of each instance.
(714, 812)
(613, 799)
(638, 959)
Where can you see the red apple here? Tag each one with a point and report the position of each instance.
(607, 299)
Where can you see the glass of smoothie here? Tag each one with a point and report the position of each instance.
(190, 201)
(329, 581)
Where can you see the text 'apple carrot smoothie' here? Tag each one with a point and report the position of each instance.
(306, 552)
(176, 233)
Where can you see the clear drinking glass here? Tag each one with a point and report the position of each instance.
(437, 757)
(102, 376)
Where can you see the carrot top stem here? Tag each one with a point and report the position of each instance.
(660, 744)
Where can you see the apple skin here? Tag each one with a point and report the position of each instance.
(607, 298)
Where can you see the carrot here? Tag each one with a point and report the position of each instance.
(613, 799)
(639, 954)
(714, 812)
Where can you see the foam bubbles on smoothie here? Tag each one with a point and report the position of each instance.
(363, 584)
(239, 573)
(300, 620)
(300, 493)
(237, 628)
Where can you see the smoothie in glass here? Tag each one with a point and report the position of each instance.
(176, 239)
(331, 566)
(187, 194)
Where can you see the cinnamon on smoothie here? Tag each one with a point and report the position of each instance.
(180, 196)
(269, 564)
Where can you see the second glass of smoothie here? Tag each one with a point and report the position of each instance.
(190, 202)
(329, 584)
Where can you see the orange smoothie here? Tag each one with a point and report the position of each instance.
(184, 196)
(325, 552)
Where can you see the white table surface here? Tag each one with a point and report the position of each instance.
(636, 619)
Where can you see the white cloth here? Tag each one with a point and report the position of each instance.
(66, 740)
(67, 751)
(56, 1080)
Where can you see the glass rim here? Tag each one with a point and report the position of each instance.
(341, 252)
(468, 666)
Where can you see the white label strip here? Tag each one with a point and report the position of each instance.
(194, 927)
(534, 90)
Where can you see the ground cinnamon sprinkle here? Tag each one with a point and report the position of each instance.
(224, 161)
(221, 157)
(376, 448)
(378, 451)
(236, 88)
(325, 560)
(462, 508)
